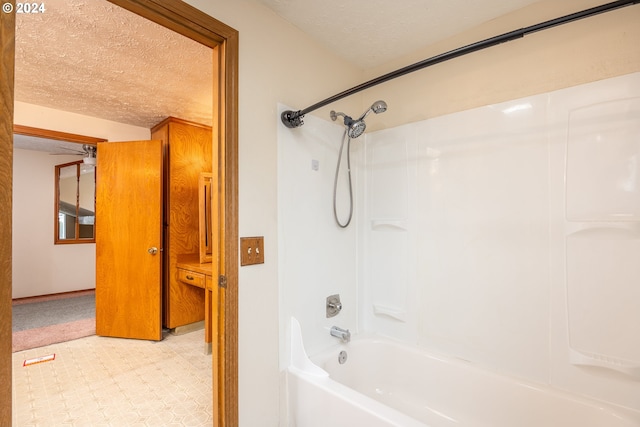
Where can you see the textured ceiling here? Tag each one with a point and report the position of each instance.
(371, 32)
(93, 58)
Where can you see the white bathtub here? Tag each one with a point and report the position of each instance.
(384, 383)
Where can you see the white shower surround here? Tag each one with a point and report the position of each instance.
(459, 243)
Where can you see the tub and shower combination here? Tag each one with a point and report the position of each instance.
(573, 153)
(584, 305)
(376, 382)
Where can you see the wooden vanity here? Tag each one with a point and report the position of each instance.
(190, 271)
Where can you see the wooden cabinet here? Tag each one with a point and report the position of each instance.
(191, 278)
(187, 153)
(193, 273)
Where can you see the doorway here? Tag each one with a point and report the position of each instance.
(223, 40)
(54, 302)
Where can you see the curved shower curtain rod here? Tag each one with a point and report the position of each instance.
(294, 119)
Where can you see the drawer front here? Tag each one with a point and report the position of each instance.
(191, 278)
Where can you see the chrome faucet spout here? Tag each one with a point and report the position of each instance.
(343, 334)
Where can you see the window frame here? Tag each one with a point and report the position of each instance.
(77, 239)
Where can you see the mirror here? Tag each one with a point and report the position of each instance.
(204, 226)
(75, 203)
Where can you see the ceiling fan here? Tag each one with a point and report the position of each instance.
(88, 151)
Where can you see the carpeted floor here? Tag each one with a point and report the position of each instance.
(47, 313)
(42, 321)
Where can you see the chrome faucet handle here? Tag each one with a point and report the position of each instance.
(336, 306)
(333, 305)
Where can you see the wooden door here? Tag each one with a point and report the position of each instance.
(129, 240)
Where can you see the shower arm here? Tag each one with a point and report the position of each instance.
(365, 114)
(294, 119)
(334, 115)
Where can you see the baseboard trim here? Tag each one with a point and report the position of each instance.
(185, 329)
(51, 297)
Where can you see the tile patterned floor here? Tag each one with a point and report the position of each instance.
(98, 381)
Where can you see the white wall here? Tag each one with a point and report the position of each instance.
(278, 64)
(513, 241)
(39, 266)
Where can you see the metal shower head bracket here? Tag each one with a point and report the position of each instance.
(292, 119)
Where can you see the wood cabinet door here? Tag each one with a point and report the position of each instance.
(129, 240)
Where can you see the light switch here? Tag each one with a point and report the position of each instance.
(251, 250)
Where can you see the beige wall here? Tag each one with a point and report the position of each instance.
(62, 121)
(583, 51)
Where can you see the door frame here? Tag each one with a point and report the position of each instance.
(197, 25)
(7, 59)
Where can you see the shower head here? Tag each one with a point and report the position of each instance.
(377, 107)
(355, 128)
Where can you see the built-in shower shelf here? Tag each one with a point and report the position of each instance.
(591, 359)
(394, 313)
(388, 225)
(601, 228)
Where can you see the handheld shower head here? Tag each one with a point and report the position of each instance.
(354, 128)
(377, 107)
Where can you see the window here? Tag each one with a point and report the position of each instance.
(75, 203)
